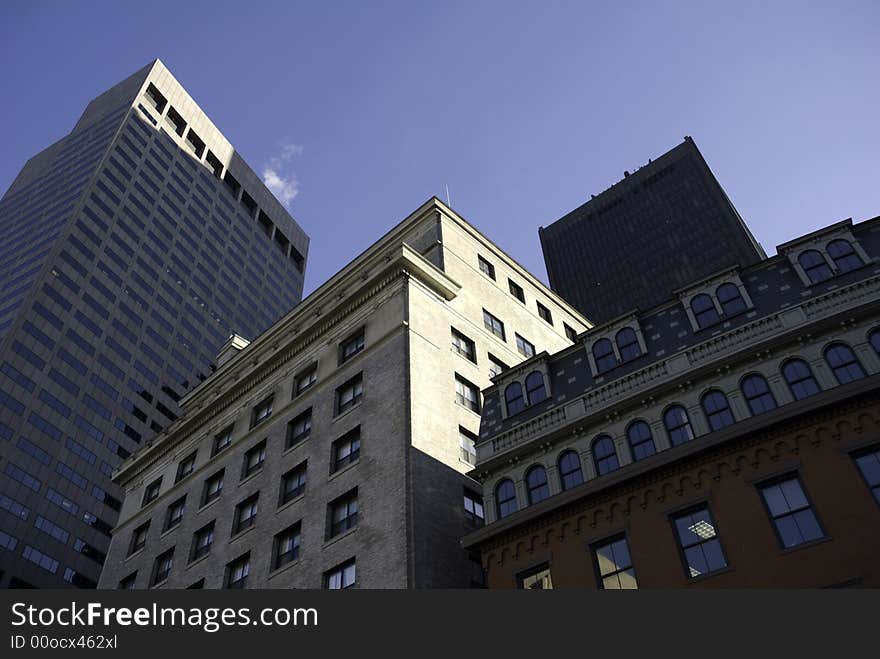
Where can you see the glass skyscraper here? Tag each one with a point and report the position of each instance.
(132, 248)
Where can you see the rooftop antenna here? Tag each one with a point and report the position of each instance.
(448, 200)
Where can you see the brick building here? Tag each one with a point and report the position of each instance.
(729, 437)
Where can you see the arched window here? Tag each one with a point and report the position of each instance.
(678, 425)
(641, 441)
(628, 344)
(505, 498)
(843, 362)
(799, 376)
(815, 266)
(570, 470)
(874, 339)
(843, 255)
(604, 455)
(717, 410)
(603, 353)
(536, 481)
(757, 393)
(535, 390)
(513, 395)
(704, 310)
(730, 299)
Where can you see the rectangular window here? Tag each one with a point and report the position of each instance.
(342, 576)
(700, 546)
(467, 394)
(537, 578)
(162, 567)
(463, 346)
(868, 462)
(293, 484)
(222, 440)
(526, 349)
(245, 514)
(286, 546)
(496, 366)
(351, 346)
(186, 467)
(350, 393)
(254, 459)
(570, 333)
(305, 379)
(468, 444)
(614, 564)
(39, 558)
(516, 290)
(202, 541)
(473, 508)
(213, 487)
(237, 571)
(299, 428)
(790, 511)
(343, 514)
(544, 313)
(493, 325)
(486, 268)
(346, 450)
(139, 538)
(175, 513)
(53, 530)
(128, 582)
(152, 491)
(262, 411)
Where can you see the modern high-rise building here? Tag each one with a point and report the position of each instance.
(131, 249)
(331, 451)
(728, 437)
(665, 225)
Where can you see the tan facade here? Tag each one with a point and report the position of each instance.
(385, 322)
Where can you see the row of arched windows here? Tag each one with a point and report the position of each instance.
(535, 392)
(756, 392)
(842, 253)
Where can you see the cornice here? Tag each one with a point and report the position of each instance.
(287, 345)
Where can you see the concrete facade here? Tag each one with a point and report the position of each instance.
(404, 296)
(713, 411)
(129, 256)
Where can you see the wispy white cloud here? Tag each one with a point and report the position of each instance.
(278, 175)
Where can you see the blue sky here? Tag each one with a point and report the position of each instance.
(366, 109)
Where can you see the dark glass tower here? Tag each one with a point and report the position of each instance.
(666, 225)
(131, 249)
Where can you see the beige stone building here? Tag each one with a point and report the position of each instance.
(332, 450)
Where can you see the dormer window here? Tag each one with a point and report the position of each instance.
(730, 299)
(844, 256)
(815, 266)
(513, 396)
(535, 390)
(628, 344)
(704, 310)
(603, 353)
